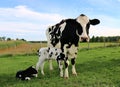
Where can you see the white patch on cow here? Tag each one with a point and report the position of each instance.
(62, 27)
(71, 52)
(48, 36)
(74, 70)
(58, 45)
(33, 67)
(66, 73)
(61, 68)
(83, 20)
(20, 75)
(35, 75)
(27, 78)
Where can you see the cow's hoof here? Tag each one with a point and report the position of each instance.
(61, 76)
(66, 77)
(51, 69)
(74, 74)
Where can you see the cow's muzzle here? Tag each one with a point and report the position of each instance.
(84, 39)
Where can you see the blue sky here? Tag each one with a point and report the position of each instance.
(29, 19)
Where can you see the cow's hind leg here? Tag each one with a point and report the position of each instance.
(73, 66)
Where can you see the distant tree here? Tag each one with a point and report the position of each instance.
(17, 39)
(0, 38)
(97, 39)
(9, 39)
(92, 39)
(23, 39)
(101, 39)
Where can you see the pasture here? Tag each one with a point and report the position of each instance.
(96, 67)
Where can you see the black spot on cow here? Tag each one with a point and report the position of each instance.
(48, 49)
(61, 57)
(56, 53)
(69, 33)
(73, 61)
(75, 53)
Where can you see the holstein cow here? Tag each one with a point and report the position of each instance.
(66, 35)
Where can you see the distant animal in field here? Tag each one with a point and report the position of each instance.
(66, 35)
(48, 53)
(27, 73)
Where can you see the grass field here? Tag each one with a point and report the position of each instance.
(97, 67)
(19, 48)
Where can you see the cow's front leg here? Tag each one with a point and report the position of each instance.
(73, 66)
(66, 75)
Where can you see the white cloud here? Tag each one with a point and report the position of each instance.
(104, 31)
(22, 20)
(26, 13)
(109, 26)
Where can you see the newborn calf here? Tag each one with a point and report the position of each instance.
(27, 73)
(48, 53)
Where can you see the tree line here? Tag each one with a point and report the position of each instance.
(105, 39)
(92, 39)
(9, 39)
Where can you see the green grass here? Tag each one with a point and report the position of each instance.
(97, 67)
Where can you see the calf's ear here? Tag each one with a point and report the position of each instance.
(94, 21)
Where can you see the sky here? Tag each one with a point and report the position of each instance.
(29, 19)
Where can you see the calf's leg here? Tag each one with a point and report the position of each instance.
(60, 63)
(40, 64)
(50, 65)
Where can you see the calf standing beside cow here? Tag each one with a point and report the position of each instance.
(48, 53)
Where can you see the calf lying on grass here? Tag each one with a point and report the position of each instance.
(49, 54)
(27, 73)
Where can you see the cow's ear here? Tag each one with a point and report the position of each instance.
(94, 21)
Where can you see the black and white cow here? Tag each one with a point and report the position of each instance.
(66, 35)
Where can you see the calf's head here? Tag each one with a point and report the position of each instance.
(85, 23)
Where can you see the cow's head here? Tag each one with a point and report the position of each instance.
(85, 23)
